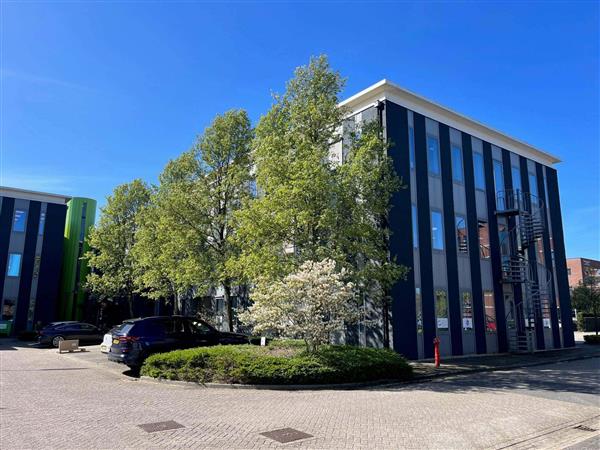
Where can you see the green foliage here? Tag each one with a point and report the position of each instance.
(185, 236)
(586, 297)
(311, 207)
(111, 242)
(592, 339)
(279, 363)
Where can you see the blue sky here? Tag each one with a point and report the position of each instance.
(97, 93)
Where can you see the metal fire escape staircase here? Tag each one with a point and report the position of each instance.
(533, 279)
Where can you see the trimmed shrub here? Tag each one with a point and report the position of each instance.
(279, 363)
(591, 338)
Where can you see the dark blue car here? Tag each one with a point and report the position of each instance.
(55, 332)
(134, 340)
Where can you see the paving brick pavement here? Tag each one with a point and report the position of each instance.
(73, 402)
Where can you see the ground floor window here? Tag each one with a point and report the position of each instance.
(8, 309)
(490, 311)
(467, 311)
(419, 306)
(441, 309)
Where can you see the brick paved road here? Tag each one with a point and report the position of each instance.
(78, 401)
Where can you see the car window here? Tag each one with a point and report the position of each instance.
(124, 328)
(87, 326)
(199, 327)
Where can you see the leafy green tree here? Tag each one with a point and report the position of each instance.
(112, 240)
(187, 237)
(311, 207)
(586, 296)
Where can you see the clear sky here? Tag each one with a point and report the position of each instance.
(97, 93)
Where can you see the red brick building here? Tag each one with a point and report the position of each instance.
(576, 267)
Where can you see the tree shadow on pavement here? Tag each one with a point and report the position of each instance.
(562, 377)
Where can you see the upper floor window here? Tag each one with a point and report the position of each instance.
(415, 228)
(516, 178)
(461, 234)
(437, 230)
(484, 239)
(498, 176)
(42, 223)
(19, 220)
(533, 187)
(14, 265)
(433, 155)
(411, 146)
(457, 164)
(478, 171)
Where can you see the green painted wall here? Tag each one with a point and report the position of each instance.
(74, 270)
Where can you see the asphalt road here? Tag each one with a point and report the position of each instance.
(83, 401)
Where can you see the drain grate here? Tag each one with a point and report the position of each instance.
(285, 435)
(160, 426)
(584, 428)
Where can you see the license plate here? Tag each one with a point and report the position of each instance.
(115, 341)
(103, 348)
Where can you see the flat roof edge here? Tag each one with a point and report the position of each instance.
(388, 90)
(33, 195)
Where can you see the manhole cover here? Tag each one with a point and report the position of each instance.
(584, 428)
(160, 426)
(286, 435)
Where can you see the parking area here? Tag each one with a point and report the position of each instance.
(80, 400)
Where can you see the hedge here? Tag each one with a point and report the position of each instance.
(279, 363)
(591, 338)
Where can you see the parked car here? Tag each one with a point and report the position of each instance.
(134, 340)
(55, 332)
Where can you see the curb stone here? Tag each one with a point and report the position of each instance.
(352, 386)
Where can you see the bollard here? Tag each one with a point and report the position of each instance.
(436, 351)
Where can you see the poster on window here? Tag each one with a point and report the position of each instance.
(467, 323)
(442, 323)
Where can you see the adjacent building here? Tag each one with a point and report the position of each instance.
(34, 250)
(578, 268)
(478, 224)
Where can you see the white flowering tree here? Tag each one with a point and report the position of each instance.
(310, 304)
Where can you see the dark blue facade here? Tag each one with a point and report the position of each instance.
(29, 289)
(481, 304)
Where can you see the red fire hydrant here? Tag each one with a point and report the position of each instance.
(436, 350)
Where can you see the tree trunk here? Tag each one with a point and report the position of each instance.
(130, 301)
(176, 307)
(227, 305)
(386, 322)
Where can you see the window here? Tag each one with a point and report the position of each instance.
(437, 231)
(14, 265)
(503, 236)
(83, 219)
(461, 235)
(457, 164)
(411, 146)
(19, 220)
(8, 309)
(533, 187)
(516, 178)
(441, 309)
(484, 239)
(467, 311)
(415, 228)
(42, 223)
(478, 171)
(569, 271)
(498, 176)
(419, 306)
(433, 155)
(490, 311)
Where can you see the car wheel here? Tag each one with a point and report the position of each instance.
(56, 340)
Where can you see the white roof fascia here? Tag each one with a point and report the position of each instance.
(33, 195)
(385, 90)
